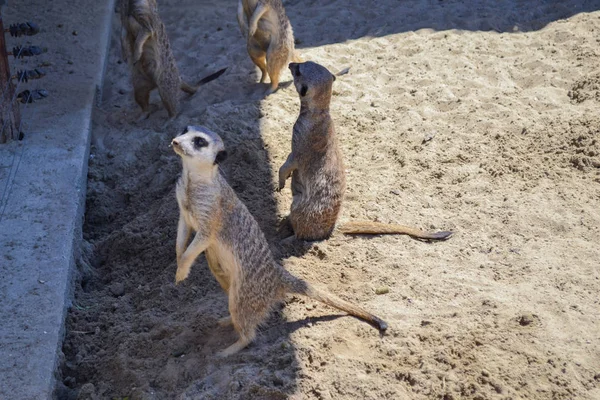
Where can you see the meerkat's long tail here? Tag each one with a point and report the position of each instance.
(298, 286)
(379, 228)
(186, 87)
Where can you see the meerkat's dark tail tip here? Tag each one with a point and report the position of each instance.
(212, 77)
(343, 72)
(380, 324)
(443, 235)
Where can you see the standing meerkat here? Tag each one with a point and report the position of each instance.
(270, 39)
(236, 250)
(145, 45)
(317, 169)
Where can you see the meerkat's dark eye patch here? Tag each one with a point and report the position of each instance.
(303, 90)
(221, 156)
(199, 142)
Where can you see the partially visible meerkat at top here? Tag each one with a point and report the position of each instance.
(317, 169)
(145, 46)
(236, 250)
(270, 38)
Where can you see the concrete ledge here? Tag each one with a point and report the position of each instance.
(42, 190)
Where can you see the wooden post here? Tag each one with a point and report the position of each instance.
(10, 117)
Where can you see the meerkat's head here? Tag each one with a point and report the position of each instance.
(199, 147)
(313, 82)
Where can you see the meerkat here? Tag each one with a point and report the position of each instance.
(236, 250)
(317, 169)
(145, 46)
(270, 38)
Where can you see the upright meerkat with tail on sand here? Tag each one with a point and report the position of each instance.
(317, 169)
(269, 35)
(145, 46)
(236, 250)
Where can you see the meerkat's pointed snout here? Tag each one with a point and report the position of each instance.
(177, 147)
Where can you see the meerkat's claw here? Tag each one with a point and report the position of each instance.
(143, 116)
(225, 321)
(181, 276)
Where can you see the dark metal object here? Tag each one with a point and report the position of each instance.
(29, 96)
(23, 29)
(27, 51)
(26, 75)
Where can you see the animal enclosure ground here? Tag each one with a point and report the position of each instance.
(475, 116)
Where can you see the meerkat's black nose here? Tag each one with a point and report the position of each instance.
(174, 142)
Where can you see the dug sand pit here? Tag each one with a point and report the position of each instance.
(476, 117)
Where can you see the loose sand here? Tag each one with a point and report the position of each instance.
(476, 116)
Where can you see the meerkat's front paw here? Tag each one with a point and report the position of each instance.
(282, 179)
(137, 56)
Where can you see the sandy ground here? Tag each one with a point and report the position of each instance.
(476, 116)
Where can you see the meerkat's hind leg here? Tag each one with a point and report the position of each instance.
(274, 75)
(169, 99)
(247, 313)
(241, 344)
(246, 329)
(215, 268)
(142, 98)
(259, 58)
(142, 87)
(276, 60)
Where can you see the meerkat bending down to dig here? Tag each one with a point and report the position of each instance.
(270, 39)
(236, 249)
(316, 166)
(145, 45)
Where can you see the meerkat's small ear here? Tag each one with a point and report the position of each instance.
(333, 76)
(221, 156)
(303, 90)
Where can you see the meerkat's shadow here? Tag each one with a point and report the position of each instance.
(260, 91)
(292, 326)
(287, 245)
